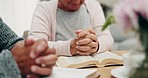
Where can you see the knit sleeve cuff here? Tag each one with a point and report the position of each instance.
(8, 37)
(12, 43)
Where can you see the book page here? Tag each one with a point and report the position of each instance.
(76, 61)
(73, 73)
(106, 55)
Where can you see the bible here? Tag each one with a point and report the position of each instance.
(104, 59)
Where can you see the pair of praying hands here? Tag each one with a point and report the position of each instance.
(85, 43)
(34, 58)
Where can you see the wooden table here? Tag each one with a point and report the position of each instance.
(106, 72)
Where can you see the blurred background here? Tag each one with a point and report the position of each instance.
(18, 13)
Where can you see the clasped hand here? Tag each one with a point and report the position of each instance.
(30, 55)
(85, 43)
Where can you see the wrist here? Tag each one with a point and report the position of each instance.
(14, 43)
(15, 49)
(73, 50)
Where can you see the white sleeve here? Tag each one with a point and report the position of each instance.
(62, 47)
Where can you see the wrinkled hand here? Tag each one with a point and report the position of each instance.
(21, 52)
(29, 56)
(47, 57)
(86, 42)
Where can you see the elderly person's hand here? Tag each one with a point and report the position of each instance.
(30, 56)
(85, 43)
(45, 58)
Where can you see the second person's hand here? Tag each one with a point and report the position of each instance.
(45, 58)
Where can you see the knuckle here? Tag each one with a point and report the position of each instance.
(93, 50)
(51, 51)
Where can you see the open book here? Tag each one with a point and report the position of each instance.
(103, 59)
(73, 73)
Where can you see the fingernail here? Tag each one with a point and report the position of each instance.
(28, 76)
(78, 52)
(77, 47)
(33, 68)
(37, 61)
(91, 34)
(32, 55)
(77, 43)
(76, 38)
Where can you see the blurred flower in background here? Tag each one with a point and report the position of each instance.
(133, 15)
(126, 13)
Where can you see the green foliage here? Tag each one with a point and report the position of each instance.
(141, 72)
(108, 22)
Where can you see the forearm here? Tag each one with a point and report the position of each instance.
(8, 37)
(8, 66)
(62, 47)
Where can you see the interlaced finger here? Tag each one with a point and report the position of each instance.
(93, 50)
(93, 44)
(84, 41)
(92, 36)
(83, 48)
(81, 34)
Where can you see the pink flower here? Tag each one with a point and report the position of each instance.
(126, 11)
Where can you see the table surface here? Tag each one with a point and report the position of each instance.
(106, 71)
